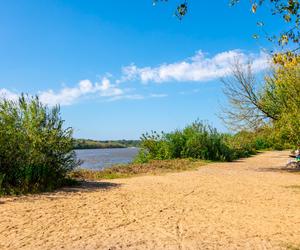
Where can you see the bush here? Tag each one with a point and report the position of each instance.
(35, 150)
(202, 141)
(242, 143)
(247, 143)
(198, 141)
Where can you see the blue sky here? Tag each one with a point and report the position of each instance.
(121, 68)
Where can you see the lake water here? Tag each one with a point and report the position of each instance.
(101, 158)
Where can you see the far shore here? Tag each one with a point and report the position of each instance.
(106, 144)
(99, 147)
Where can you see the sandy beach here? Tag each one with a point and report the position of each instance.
(249, 204)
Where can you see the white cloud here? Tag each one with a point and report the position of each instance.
(128, 97)
(197, 68)
(68, 96)
(6, 94)
(158, 95)
(137, 97)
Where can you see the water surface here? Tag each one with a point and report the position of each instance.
(101, 158)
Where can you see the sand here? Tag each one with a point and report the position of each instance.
(249, 204)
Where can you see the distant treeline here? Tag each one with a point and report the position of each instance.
(94, 144)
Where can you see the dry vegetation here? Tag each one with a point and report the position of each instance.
(153, 167)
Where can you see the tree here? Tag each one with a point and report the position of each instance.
(282, 90)
(275, 102)
(246, 109)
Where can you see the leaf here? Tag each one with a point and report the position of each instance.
(283, 40)
(287, 18)
(254, 8)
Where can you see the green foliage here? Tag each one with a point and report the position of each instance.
(281, 95)
(36, 152)
(154, 146)
(198, 141)
(273, 103)
(247, 143)
(202, 141)
(242, 143)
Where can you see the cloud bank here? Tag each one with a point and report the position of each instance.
(85, 88)
(69, 96)
(7, 94)
(198, 68)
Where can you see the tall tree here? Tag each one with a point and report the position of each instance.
(246, 109)
(274, 102)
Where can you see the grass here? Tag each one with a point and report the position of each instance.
(155, 167)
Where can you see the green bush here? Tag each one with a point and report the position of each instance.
(242, 144)
(35, 150)
(247, 143)
(198, 141)
(202, 141)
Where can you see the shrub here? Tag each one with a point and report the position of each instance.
(154, 146)
(242, 144)
(198, 140)
(35, 150)
(202, 141)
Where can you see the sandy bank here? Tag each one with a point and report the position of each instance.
(248, 204)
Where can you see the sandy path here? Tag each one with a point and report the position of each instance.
(243, 205)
